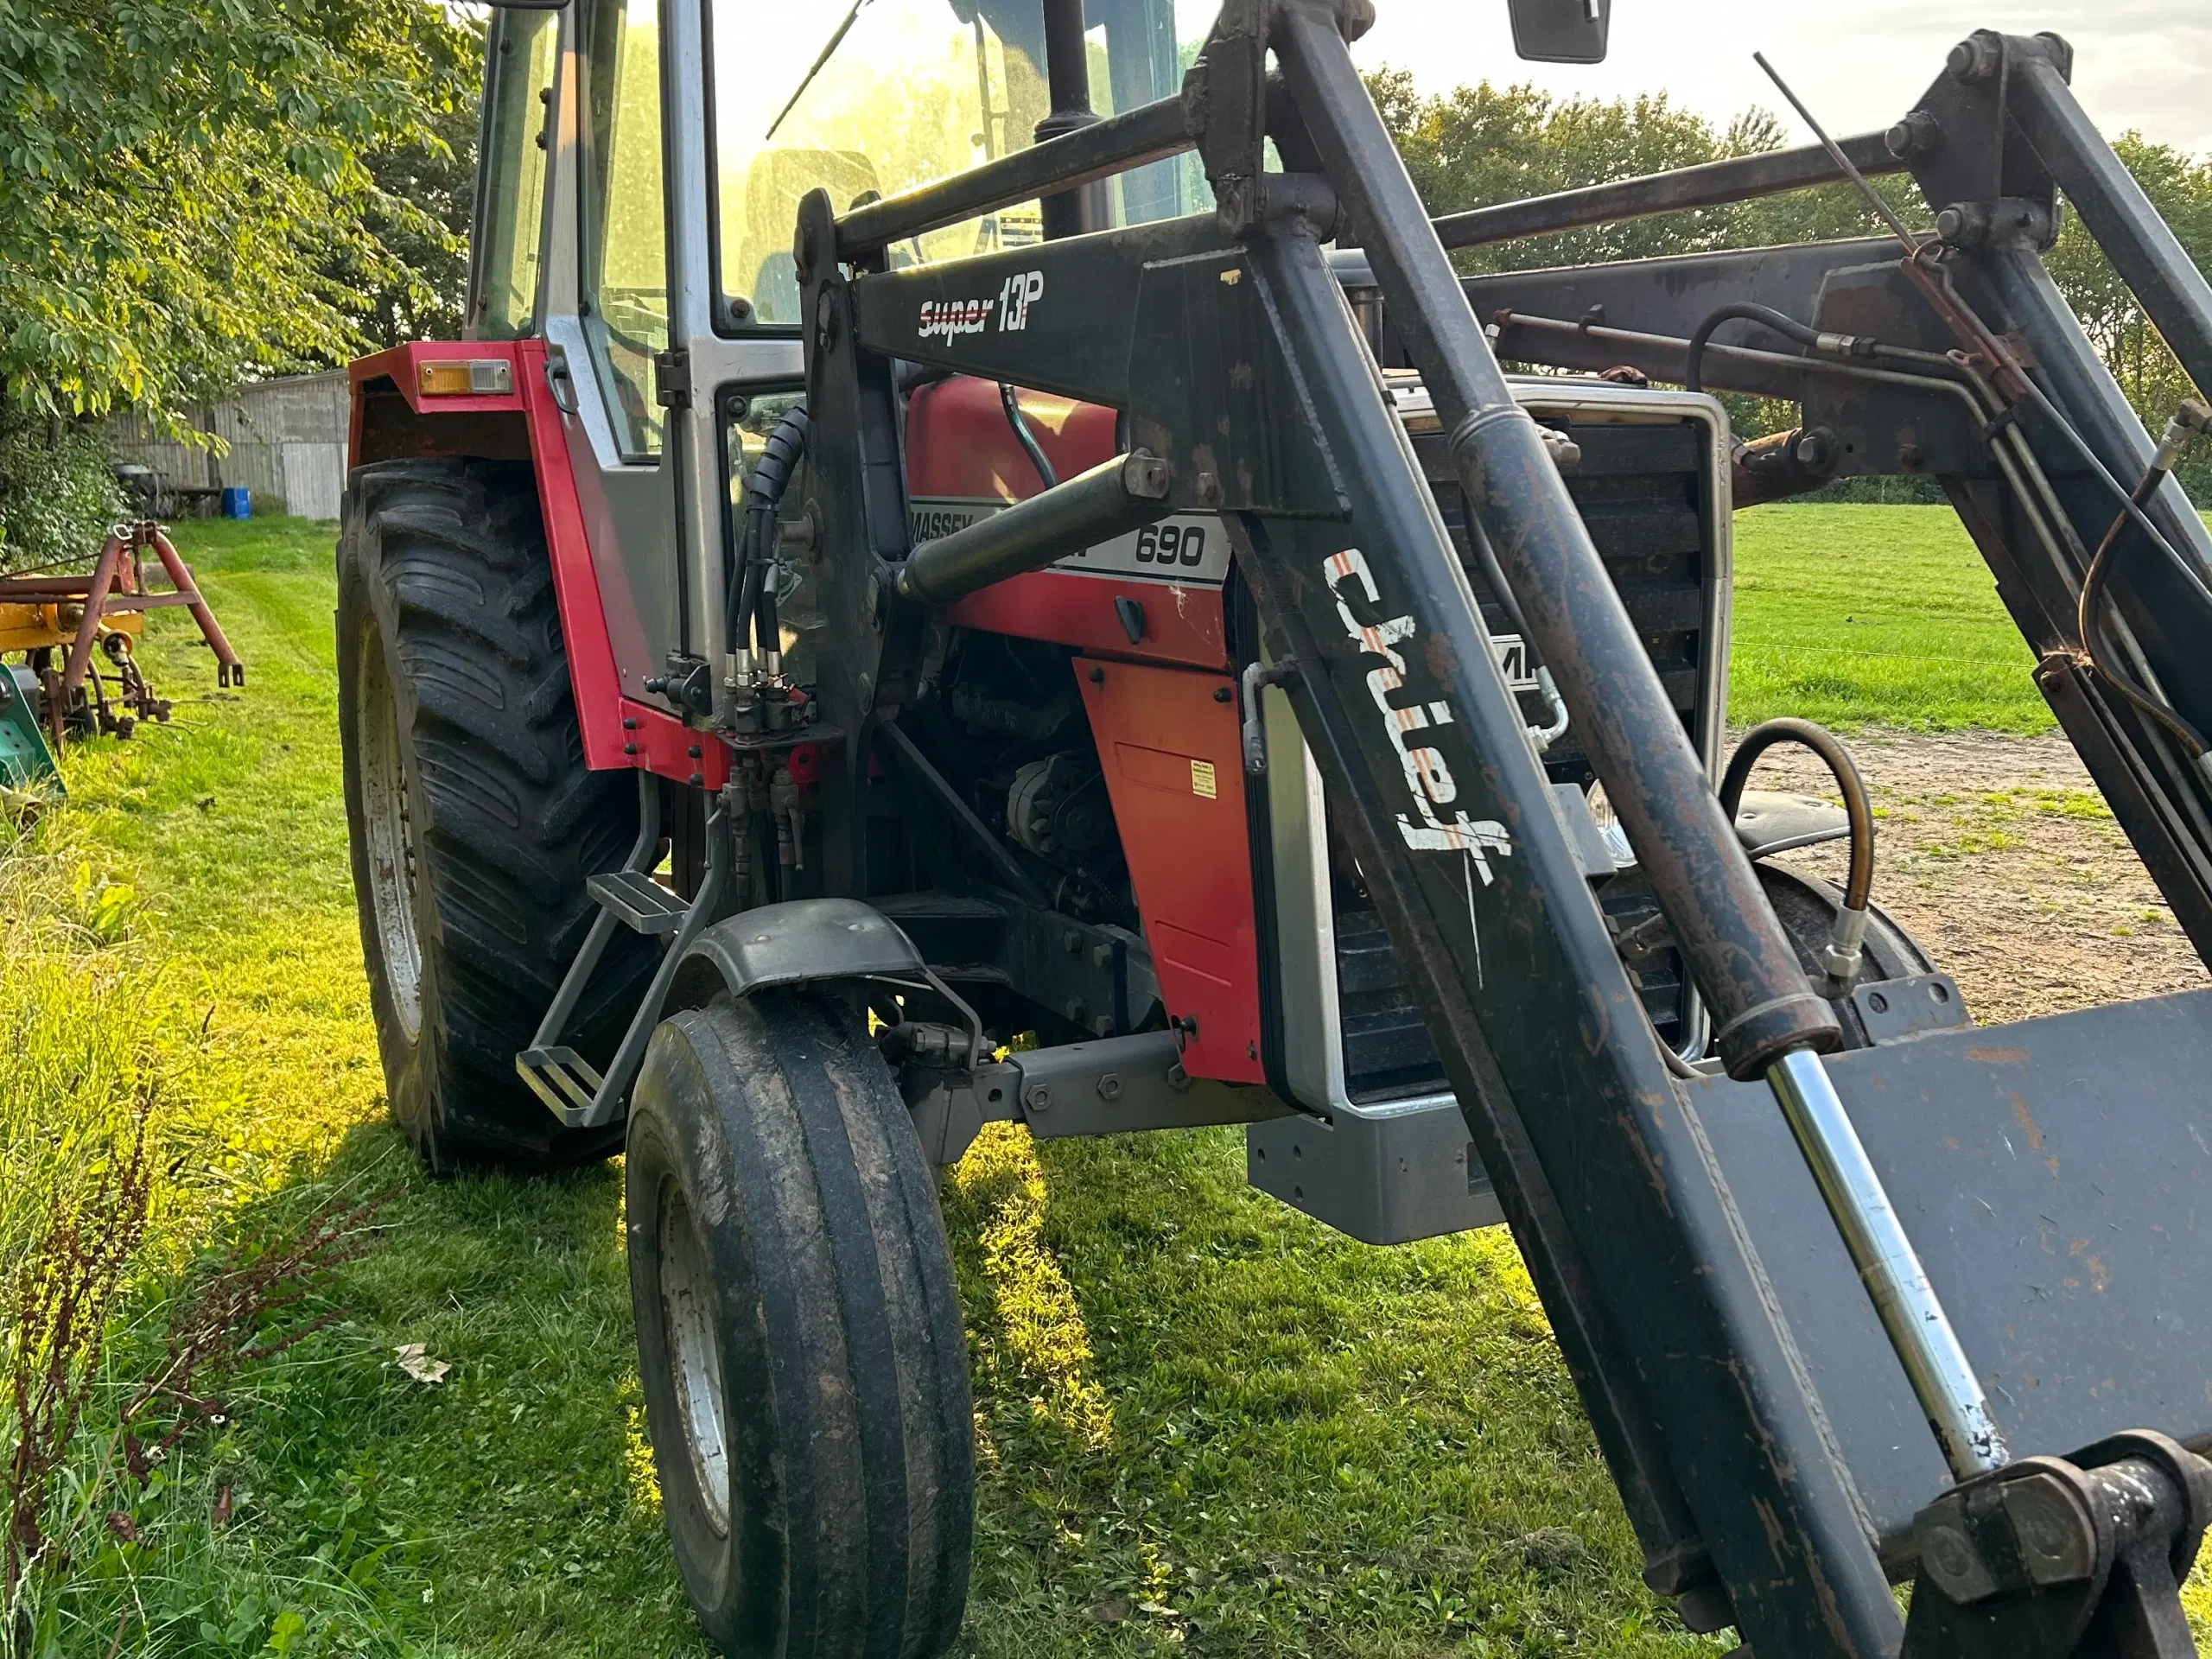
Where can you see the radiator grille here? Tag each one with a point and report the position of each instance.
(1642, 491)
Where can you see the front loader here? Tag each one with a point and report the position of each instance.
(922, 601)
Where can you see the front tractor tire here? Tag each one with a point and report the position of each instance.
(474, 820)
(799, 1338)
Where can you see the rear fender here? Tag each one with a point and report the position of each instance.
(392, 418)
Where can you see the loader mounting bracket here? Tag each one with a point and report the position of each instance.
(2056, 1556)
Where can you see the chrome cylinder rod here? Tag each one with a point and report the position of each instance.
(1935, 1364)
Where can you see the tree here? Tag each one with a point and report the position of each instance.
(180, 179)
(421, 191)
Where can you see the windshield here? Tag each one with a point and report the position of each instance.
(880, 96)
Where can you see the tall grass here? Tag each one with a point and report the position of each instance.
(130, 1303)
(81, 1067)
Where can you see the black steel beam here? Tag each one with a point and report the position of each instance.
(1113, 145)
(1067, 81)
(1597, 1168)
(2148, 257)
(1743, 964)
(1112, 499)
(1713, 184)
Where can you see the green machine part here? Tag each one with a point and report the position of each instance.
(25, 761)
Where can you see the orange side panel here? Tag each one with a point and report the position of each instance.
(1168, 740)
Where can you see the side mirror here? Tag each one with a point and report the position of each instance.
(1561, 31)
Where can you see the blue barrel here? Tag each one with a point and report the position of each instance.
(238, 501)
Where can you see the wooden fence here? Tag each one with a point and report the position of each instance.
(286, 444)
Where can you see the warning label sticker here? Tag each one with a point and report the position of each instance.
(1202, 780)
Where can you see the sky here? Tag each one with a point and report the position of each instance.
(1857, 64)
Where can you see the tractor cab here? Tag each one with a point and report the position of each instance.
(636, 216)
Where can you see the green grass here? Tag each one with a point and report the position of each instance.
(1203, 1420)
(1205, 1424)
(1852, 615)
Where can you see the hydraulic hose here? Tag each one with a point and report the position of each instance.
(2191, 421)
(764, 493)
(1841, 956)
(1010, 401)
(1486, 556)
(1813, 339)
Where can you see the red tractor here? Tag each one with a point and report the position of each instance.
(971, 569)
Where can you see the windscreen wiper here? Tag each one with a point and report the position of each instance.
(835, 40)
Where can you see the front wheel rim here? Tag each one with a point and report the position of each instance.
(694, 1355)
(389, 833)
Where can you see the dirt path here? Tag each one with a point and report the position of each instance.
(1998, 855)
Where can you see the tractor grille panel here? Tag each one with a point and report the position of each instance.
(1642, 494)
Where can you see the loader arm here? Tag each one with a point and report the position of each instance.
(1738, 1290)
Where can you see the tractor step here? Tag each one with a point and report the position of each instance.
(564, 1079)
(580, 1095)
(638, 901)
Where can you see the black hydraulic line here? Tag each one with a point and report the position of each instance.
(1112, 499)
(1113, 145)
(1856, 805)
(1486, 556)
(745, 605)
(1763, 1004)
(764, 492)
(2130, 510)
(2088, 621)
(1010, 401)
(1813, 339)
(2089, 618)
(1713, 185)
(1633, 341)
(768, 633)
(2129, 507)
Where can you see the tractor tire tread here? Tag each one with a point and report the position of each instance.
(447, 559)
(852, 1334)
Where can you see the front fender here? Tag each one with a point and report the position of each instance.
(803, 942)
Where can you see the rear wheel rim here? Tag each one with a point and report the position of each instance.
(694, 1357)
(387, 812)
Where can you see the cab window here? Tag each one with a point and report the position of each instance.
(896, 93)
(518, 127)
(624, 216)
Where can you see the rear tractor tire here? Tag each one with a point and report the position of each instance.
(474, 820)
(799, 1337)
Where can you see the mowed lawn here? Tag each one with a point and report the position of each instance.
(1205, 1424)
(1851, 615)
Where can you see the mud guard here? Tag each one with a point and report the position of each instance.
(804, 941)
